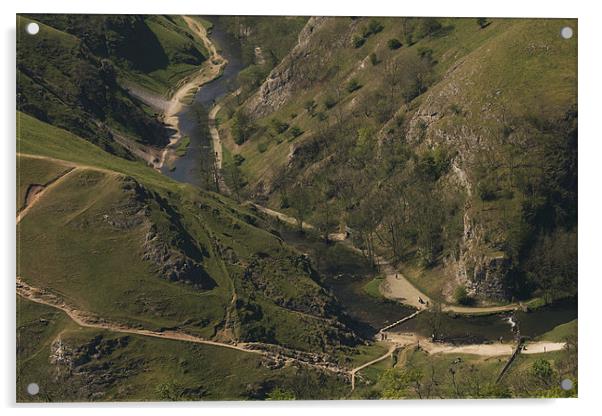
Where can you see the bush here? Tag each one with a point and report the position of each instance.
(278, 126)
(487, 191)
(482, 22)
(296, 132)
(262, 147)
(461, 296)
(374, 59)
(353, 85)
(394, 44)
(238, 159)
(329, 102)
(358, 41)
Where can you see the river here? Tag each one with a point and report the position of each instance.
(193, 118)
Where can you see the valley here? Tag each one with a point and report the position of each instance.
(275, 254)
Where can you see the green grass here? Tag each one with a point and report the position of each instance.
(372, 288)
(101, 270)
(561, 332)
(35, 172)
(138, 368)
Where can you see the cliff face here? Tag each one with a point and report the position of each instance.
(489, 100)
(285, 78)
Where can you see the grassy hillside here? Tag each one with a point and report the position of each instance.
(65, 361)
(154, 253)
(453, 140)
(35, 172)
(153, 51)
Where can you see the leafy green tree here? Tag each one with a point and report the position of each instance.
(401, 384)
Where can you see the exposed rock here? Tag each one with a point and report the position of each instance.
(279, 86)
(172, 263)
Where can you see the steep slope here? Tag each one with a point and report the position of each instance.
(118, 240)
(71, 74)
(446, 143)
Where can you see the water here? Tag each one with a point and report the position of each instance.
(345, 273)
(193, 118)
(486, 328)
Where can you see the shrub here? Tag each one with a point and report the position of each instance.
(358, 41)
(482, 22)
(296, 132)
(262, 147)
(329, 102)
(487, 191)
(374, 59)
(238, 159)
(278, 126)
(394, 44)
(353, 85)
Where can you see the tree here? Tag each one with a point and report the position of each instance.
(300, 201)
(400, 384)
(325, 216)
(435, 320)
(365, 220)
(236, 180)
(241, 127)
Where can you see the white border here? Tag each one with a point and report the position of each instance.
(590, 230)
